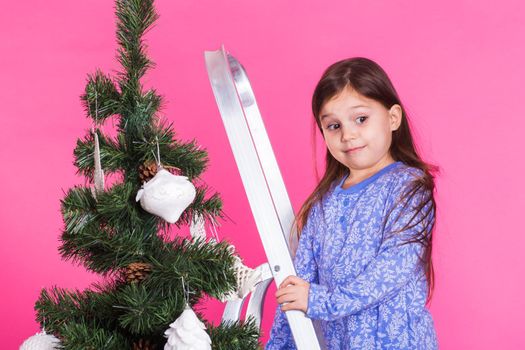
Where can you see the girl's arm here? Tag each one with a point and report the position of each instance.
(393, 267)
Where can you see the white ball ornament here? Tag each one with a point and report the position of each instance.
(41, 341)
(166, 195)
(187, 333)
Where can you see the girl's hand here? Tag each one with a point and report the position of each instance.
(293, 291)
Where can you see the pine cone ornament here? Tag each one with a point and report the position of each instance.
(143, 345)
(147, 170)
(136, 272)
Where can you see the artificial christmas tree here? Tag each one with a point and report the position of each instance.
(150, 278)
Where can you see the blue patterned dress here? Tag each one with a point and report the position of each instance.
(367, 291)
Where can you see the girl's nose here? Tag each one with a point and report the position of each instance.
(348, 133)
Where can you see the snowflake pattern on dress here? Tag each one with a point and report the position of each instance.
(367, 287)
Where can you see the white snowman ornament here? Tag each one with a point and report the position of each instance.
(166, 195)
(187, 333)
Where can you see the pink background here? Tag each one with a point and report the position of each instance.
(456, 64)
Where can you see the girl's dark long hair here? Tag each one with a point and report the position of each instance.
(368, 79)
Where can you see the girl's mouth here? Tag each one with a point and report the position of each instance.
(352, 150)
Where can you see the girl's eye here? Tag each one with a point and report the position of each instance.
(329, 127)
(363, 118)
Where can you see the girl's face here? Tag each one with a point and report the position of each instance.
(358, 131)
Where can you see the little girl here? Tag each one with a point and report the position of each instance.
(364, 268)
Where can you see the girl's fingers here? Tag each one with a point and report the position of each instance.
(289, 306)
(285, 282)
(286, 294)
(292, 294)
(290, 280)
(285, 290)
(286, 299)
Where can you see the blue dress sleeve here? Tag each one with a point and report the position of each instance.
(394, 265)
(306, 268)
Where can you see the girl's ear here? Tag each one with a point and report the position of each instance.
(396, 115)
